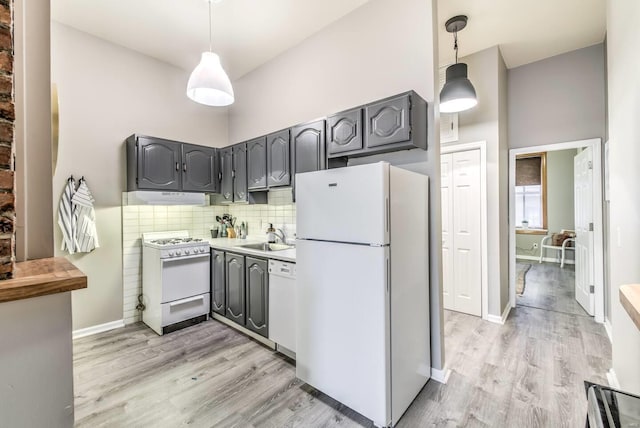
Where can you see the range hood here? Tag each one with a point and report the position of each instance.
(150, 197)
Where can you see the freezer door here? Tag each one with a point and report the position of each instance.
(345, 204)
(342, 338)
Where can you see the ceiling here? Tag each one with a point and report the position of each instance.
(176, 31)
(525, 30)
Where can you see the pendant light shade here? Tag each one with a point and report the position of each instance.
(209, 84)
(458, 94)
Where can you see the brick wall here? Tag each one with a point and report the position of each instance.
(7, 118)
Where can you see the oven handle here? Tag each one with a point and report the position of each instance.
(195, 256)
(183, 301)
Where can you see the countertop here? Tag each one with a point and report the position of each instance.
(233, 244)
(40, 277)
(630, 299)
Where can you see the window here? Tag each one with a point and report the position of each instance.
(531, 198)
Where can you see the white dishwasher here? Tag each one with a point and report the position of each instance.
(282, 305)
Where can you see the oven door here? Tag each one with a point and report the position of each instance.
(184, 277)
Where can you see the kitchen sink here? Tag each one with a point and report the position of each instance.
(267, 247)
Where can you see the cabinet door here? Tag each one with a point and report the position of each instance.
(240, 173)
(388, 121)
(257, 163)
(257, 296)
(218, 291)
(344, 132)
(159, 164)
(278, 159)
(308, 147)
(235, 288)
(226, 171)
(199, 172)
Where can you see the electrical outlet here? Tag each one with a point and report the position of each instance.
(535, 245)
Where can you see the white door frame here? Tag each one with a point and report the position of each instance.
(484, 264)
(598, 237)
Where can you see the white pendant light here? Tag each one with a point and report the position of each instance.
(458, 94)
(209, 83)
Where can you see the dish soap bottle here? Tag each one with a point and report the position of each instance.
(271, 234)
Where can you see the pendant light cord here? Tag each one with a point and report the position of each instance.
(455, 44)
(210, 31)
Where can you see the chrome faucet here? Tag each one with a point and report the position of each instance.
(279, 233)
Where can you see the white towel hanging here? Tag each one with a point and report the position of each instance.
(86, 232)
(67, 218)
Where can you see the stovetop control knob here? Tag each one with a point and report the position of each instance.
(187, 251)
(171, 254)
(178, 252)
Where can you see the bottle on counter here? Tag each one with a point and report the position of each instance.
(271, 234)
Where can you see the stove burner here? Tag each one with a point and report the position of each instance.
(174, 241)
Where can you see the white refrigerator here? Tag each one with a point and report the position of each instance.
(363, 334)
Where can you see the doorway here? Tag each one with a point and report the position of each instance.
(556, 229)
(464, 228)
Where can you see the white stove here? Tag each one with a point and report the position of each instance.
(175, 280)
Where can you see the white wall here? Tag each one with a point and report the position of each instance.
(623, 69)
(107, 93)
(487, 122)
(382, 48)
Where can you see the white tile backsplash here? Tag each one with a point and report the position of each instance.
(198, 220)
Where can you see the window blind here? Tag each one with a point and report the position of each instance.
(529, 171)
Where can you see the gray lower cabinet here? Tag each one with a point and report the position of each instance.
(257, 164)
(279, 159)
(235, 287)
(344, 132)
(199, 169)
(218, 280)
(308, 147)
(257, 295)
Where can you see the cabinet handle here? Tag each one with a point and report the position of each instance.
(219, 176)
(184, 167)
(177, 166)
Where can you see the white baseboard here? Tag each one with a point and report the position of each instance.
(440, 375)
(607, 327)
(613, 379)
(101, 328)
(544, 259)
(500, 319)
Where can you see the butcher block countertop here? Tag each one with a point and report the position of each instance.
(630, 299)
(40, 277)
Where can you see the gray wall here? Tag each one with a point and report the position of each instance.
(106, 93)
(487, 122)
(382, 48)
(623, 37)
(558, 99)
(559, 202)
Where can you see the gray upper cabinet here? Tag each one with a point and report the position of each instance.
(257, 164)
(344, 132)
(257, 297)
(308, 147)
(278, 159)
(199, 169)
(235, 290)
(153, 164)
(218, 293)
(388, 121)
(240, 188)
(226, 171)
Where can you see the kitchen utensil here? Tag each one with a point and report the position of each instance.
(218, 219)
(223, 230)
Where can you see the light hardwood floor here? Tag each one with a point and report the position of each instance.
(550, 287)
(526, 373)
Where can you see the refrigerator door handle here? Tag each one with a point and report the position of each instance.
(387, 214)
(388, 274)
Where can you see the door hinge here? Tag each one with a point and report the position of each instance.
(590, 165)
(590, 227)
(592, 289)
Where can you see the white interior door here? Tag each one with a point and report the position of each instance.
(583, 201)
(447, 238)
(461, 212)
